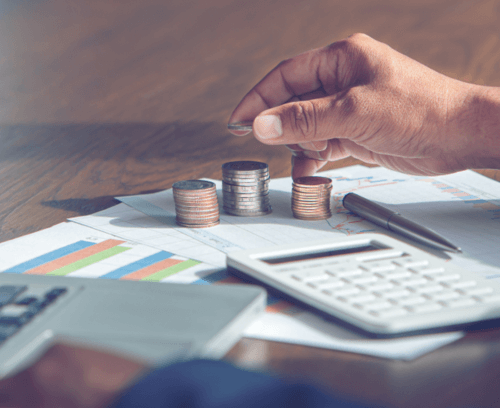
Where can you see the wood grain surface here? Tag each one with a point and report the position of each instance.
(100, 98)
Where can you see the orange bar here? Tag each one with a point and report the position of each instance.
(75, 256)
(278, 306)
(229, 280)
(149, 270)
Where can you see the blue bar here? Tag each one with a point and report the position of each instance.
(49, 257)
(213, 277)
(135, 266)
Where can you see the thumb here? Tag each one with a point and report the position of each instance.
(296, 122)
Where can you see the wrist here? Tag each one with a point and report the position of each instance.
(479, 122)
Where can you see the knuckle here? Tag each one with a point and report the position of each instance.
(349, 60)
(303, 120)
(349, 104)
(283, 63)
(357, 38)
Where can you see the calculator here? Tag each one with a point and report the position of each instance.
(377, 284)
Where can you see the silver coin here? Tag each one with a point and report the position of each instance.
(245, 175)
(245, 125)
(246, 213)
(193, 185)
(244, 182)
(245, 166)
(245, 189)
(236, 203)
(246, 199)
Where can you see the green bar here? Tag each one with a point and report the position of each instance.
(158, 276)
(89, 260)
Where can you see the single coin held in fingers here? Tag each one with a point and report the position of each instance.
(244, 126)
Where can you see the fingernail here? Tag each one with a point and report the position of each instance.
(313, 155)
(267, 127)
(318, 146)
(298, 153)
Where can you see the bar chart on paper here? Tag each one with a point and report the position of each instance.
(60, 252)
(76, 251)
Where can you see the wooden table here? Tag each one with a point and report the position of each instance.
(100, 98)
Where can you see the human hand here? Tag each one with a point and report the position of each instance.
(359, 97)
(69, 377)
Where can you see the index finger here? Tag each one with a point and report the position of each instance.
(290, 78)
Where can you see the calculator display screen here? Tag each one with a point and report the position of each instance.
(297, 257)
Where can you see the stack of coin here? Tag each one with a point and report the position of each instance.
(311, 198)
(245, 188)
(196, 204)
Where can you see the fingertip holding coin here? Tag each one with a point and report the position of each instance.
(240, 128)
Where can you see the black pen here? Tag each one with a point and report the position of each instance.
(393, 221)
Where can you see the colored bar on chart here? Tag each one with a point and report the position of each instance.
(213, 278)
(74, 257)
(49, 256)
(152, 269)
(82, 263)
(278, 306)
(158, 276)
(137, 265)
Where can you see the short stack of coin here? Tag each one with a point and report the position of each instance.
(196, 204)
(311, 198)
(245, 188)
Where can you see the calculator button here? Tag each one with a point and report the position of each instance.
(398, 274)
(326, 284)
(394, 293)
(345, 272)
(380, 305)
(411, 300)
(385, 314)
(410, 262)
(430, 288)
(378, 286)
(426, 269)
(424, 308)
(444, 296)
(460, 302)
(308, 276)
(477, 291)
(445, 277)
(411, 282)
(348, 290)
(364, 298)
(462, 284)
(488, 299)
(362, 279)
(379, 267)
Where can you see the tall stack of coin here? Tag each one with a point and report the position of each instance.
(245, 188)
(311, 198)
(196, 204)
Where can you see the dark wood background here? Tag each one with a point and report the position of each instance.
(100, 98)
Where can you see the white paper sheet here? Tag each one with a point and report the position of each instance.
(462, 207)
(50, 249)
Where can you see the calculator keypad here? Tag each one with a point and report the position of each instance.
(389, 289)
(397, 289)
